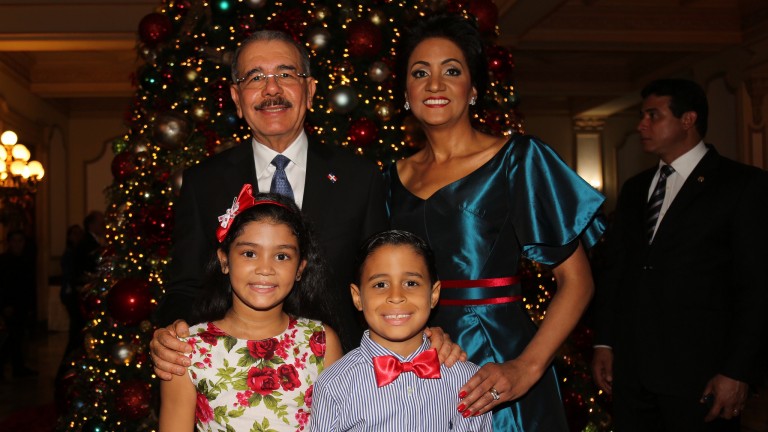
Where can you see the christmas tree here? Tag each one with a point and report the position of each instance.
(182, 113)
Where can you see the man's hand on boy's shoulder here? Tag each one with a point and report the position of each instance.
(447, 351)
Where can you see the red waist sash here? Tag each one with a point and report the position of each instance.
(481, 291)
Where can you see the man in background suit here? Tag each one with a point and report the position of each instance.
(342, 195)
(682, 298)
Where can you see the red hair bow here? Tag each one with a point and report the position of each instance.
(241, 203)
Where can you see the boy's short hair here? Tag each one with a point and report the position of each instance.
(395, 238)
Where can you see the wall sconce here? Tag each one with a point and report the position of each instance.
(16, 170)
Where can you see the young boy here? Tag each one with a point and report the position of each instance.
(393, 382)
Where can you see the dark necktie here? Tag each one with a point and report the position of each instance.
(280, 184)
(388, 368)
(654, 203)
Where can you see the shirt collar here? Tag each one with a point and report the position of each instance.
(296, 152)
(371, 349)
(685, 164)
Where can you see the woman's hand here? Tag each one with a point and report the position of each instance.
(510, 380)
(168, 352)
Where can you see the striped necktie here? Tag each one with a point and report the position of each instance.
(280, 184)
(654, 203)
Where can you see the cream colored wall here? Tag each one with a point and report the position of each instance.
(622, 154)
(723, 130)
(555, 130)
(33, 119)
(89, 162)
(69, 141)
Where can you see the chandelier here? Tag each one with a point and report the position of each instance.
(16, 170)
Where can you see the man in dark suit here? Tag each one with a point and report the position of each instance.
(84, 268)
(683, 294)
(342, 195)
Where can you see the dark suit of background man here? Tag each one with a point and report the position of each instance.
(683, 308)
(85, 263)
(341, 194)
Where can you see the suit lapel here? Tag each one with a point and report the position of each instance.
(317, 186)
(694, 185)
(243, 166)
(635, 212)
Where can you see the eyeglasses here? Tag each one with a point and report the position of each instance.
(258, 80)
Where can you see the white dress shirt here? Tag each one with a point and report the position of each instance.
(296, 170)
(346, 397)
(683, 167)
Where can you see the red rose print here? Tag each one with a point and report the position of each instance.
(263, 380)
(211, 334)
(243, 397)
(317, 343)
(264, 348)
(289, 378)
(203, 410)
(308, 396)
(302, 417)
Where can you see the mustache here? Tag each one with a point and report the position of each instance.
(275, 101)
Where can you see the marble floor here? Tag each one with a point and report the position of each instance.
(35, 395)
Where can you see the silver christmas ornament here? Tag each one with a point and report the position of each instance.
(379, 71)
(343, 99)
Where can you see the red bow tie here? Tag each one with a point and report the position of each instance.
(388, 368)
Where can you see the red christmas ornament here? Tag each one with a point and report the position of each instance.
(162, 250)
(487, 15)
(128, 301)
(181, 7)
(123, 166)
(292, 21)
(246, 25)
(157, 225)
(168, 76)
(363, 38)
(90, 303)
(363, 132)
(500, 62)
(132, 399)
(155, 28)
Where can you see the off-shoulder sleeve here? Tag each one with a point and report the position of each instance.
(553, 208)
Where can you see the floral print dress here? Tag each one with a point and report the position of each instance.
(257, 386)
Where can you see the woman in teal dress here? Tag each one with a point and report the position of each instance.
(481, 201)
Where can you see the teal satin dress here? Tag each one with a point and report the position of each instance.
(524, 200)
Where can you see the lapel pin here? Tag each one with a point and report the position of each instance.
(332, 177)
(700, 179)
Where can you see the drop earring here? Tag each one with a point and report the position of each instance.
(407, 106)
(472, 100)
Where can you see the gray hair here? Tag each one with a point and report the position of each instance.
(271, 35)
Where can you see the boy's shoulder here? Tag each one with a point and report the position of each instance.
(459, 370)
(352, 364)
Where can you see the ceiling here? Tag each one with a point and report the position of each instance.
(581, 57)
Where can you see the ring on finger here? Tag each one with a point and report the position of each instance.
(494, 393)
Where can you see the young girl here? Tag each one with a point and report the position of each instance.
(259, 346)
